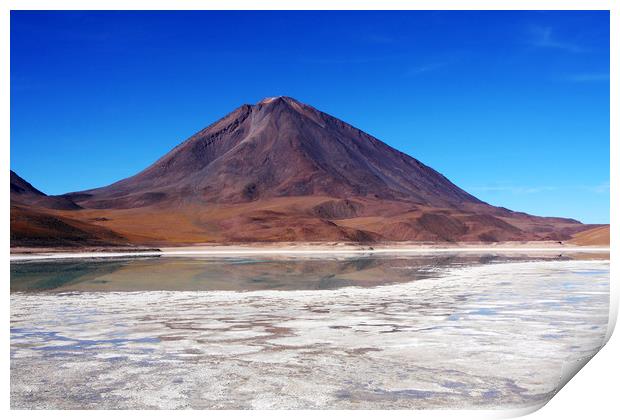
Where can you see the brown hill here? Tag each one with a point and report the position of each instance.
(40, 228)
(281, 170)
(595, 236)
(35, 221)
(24, 193)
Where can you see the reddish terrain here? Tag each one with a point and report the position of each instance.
(596, 236)
(278, 170)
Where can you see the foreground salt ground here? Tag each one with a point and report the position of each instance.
(491, 336)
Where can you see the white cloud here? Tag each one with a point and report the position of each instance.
(543, 37)
(602, 188)
(513, 189)
(587, 77)
(414, 71)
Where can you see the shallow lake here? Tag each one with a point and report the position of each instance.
(423, 331)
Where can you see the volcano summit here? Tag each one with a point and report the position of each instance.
(281, 170)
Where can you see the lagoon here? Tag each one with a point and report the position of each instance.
(426, 331)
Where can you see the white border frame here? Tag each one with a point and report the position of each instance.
(594, 390)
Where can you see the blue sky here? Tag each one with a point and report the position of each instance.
(511, 106)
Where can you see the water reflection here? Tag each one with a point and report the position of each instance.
(237, 274)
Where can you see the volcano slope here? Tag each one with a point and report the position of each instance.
(281, 170)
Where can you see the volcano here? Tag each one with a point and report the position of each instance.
(281, 170)
(279, 148)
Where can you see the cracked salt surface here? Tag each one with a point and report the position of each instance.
(482, 336)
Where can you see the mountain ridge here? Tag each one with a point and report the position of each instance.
(281, 170)
(23, 192)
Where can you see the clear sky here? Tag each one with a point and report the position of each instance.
(511, 106)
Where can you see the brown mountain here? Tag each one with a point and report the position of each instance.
(279, 148)
(24, 193)
(36, 221)
(281, 170)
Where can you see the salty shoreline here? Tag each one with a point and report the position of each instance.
(291, 249)
(433, 343)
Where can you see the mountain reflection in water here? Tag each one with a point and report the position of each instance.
(236, 274)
